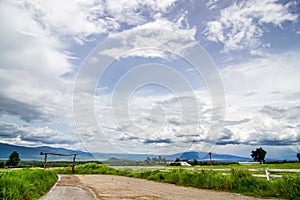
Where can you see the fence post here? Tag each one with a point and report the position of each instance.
(73, 164)
(267, 174)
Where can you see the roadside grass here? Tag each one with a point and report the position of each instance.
(33, 183)
(237, 181)
(26, 184)
(237, 166)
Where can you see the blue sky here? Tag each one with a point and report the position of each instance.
(150, 100)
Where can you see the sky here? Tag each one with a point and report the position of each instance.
(150, 76)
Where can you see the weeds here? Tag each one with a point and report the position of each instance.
(26, 184)
(32, 183)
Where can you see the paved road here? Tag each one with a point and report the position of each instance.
(88, 187)
(71, 188)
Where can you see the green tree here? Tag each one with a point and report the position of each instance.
(259, 155)
(2, 165)
(13, 159)
(298, 156)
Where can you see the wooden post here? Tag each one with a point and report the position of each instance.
(73, 164)
(58, 154)
(45, 161)
(210, 158)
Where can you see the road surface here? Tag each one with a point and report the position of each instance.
(90, 187)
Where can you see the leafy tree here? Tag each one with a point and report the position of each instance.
(259, 155)
(2, 165)
(13, 159)
(148, 160)
(298, 156)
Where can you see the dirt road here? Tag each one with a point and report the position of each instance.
(88, 187)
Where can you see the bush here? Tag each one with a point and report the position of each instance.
(287, 187)
(89, 168)
(2, 165)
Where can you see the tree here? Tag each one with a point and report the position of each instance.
(13, 159)
(259, 155)
(2, 165)
(298, 156)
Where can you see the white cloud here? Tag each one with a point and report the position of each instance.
(274, 72)
(23, 39)
(31, 59)
(157, 123)
(30, 135)
(241, 25)
(175, 37)
(260, 108)
(79, 19)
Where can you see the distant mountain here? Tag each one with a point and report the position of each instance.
(33, 153)
(216, 157)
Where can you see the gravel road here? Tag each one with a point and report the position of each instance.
(88, 187)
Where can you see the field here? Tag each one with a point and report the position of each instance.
(32, 183)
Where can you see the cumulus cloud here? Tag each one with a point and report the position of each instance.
(37, 73)
(79, 20)
(241, 25)
(151, 130)
(36, 60)
(176, 37)
(24, 111)
(29, 135)
(267, 114)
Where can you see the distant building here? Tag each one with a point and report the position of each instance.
(180, 163)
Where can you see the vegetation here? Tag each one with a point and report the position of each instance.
(89, 168)
(26, 183)
(237, 180)
(13, 159)
(259, 155)
(2, 165)
(32, 183)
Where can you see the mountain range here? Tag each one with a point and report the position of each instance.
(33, 153)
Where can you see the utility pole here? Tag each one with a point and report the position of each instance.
(210, 158)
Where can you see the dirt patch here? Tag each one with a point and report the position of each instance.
(87, 187)
(117, 187)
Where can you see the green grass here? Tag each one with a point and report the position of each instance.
(32, 183)
(237, 166)
(26, 184)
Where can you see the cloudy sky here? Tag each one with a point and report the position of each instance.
(151, 77)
